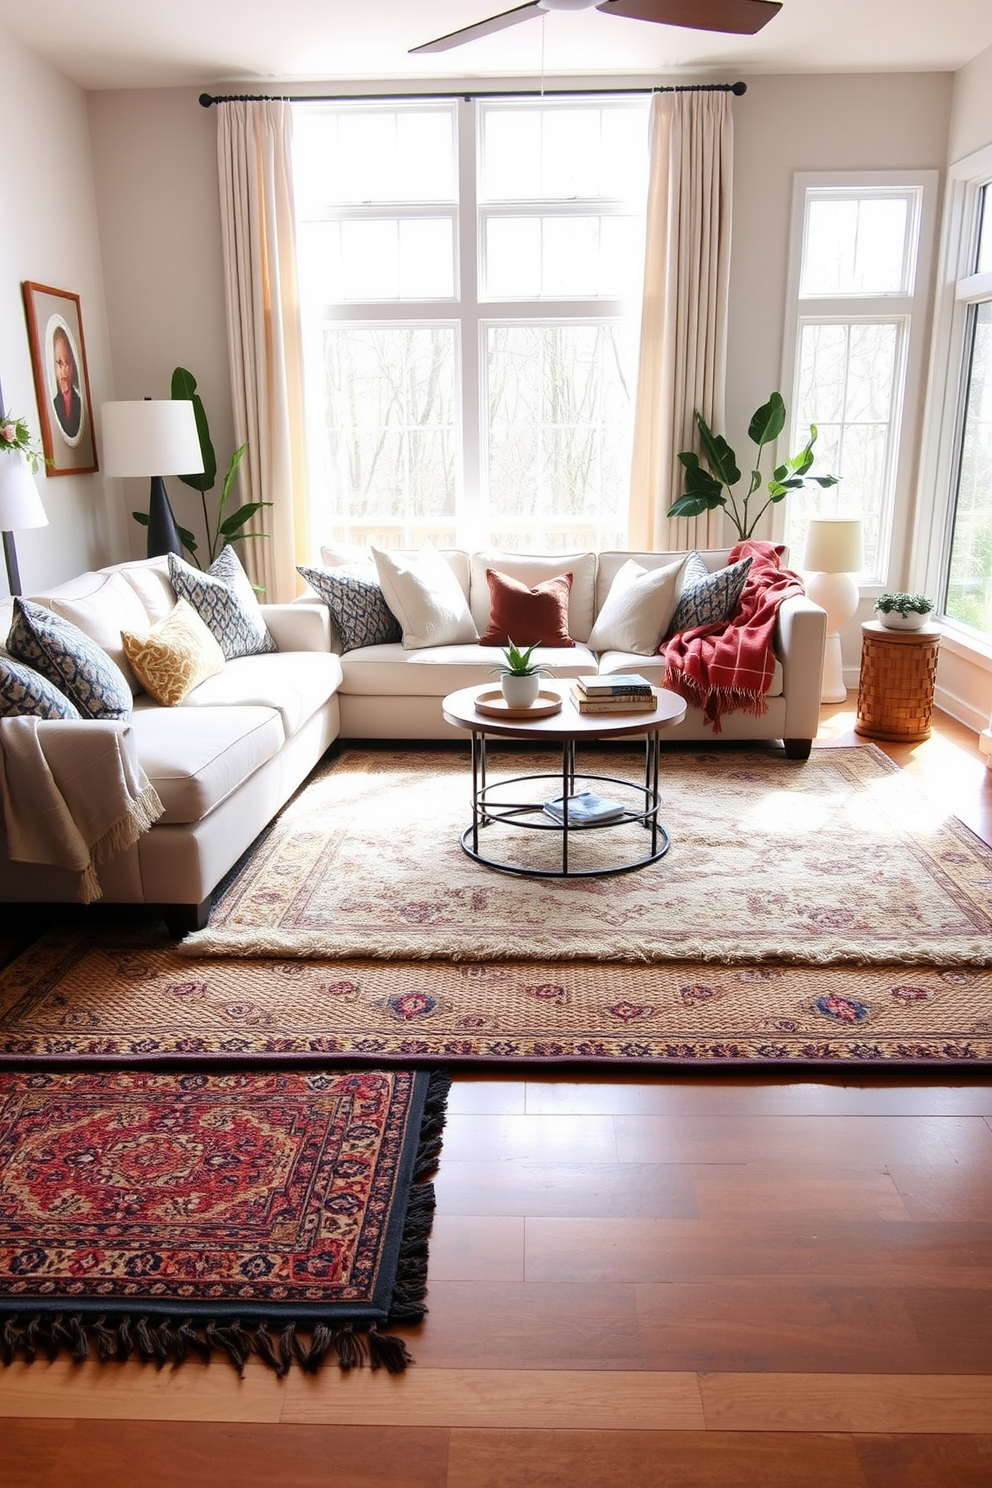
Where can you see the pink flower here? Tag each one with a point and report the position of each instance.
(8, 433)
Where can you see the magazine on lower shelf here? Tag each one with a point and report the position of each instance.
(584, 809)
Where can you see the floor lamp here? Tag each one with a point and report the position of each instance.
(153, 437)
(834, 553)
(20, 506)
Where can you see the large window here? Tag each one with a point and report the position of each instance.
(968, 587)
(857, 301)
(471, 276)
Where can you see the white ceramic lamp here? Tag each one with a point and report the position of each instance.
(153, 437)
(20, 506)
(834, 553)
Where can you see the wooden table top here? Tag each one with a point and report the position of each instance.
(459, 708)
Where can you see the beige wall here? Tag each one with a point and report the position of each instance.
(155, 162)
(971, 116)
(48, 234)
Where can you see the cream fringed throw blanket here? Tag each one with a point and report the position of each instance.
(73, 794)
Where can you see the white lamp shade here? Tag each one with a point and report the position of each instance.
(834, 545)
(20, 504)
(154, 436)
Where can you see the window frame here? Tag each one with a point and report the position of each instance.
(907, 309)
(958, 288)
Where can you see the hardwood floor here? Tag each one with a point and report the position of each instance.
(695, 1280)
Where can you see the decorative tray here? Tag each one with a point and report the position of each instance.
(495, 705)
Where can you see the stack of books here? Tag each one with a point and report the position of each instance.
(584, 809)
(623, 692)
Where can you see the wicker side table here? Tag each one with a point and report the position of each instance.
(898, 671)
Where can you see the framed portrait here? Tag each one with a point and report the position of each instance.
(61, 379)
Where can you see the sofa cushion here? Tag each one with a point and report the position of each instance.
(355, 599)
(293, 683)
(101, 604)
(529, 616)
(390, 671)
(708, 598)
(26, 693)
(149, 578)
(174, 656)
(638, 609)
(425, 597)
(224, 598)
(196, 762)
(652, 668)
(70, 659)
(534, 568)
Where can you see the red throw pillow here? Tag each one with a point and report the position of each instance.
(528, 617)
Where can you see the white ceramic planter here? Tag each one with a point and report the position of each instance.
(893, 620)
(520, 692)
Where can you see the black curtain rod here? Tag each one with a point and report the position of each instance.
(206, 99)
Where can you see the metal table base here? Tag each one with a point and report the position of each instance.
(487, 811)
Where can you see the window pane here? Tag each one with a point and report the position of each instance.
(383, 433)
(558, 446)
(561, 257)
(380, 155)
(846, 387)
(563, 152)
(376, 259)
(984, 264)
(969, 589)
(856, 245)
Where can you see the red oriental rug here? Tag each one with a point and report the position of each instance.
(277, 1213)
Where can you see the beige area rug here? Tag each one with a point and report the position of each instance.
(132, 999)
(838, 859)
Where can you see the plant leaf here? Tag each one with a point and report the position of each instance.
(719, 456)
(184, 387)
(240, 517)
(693, 506)
(141, 517)
(768, 421)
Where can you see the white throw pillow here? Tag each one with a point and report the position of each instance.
(638, 610)
(426, 598)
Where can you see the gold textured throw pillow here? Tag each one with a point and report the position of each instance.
(175, 656)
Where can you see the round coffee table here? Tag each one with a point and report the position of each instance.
(568, 727)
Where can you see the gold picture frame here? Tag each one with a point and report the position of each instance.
(61, 379)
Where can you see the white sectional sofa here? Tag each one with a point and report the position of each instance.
(226, 759)
(390, 692)
(222, 762)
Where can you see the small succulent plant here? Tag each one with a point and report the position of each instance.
(517, 662)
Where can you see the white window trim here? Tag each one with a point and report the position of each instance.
(956, 291)
(911, 309)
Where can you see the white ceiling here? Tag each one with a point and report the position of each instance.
(138, 43)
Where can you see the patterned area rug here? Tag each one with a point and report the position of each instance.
(281, 1214)
(836, 859)
(72, 997)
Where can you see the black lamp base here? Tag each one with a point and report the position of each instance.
(10, 555)
(163, 536)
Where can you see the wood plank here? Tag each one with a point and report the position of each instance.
(925, 1461)
(583, 1459)
(769, 1094)
(197, 1392)
(533, 1139)
(467, 1248)
(537, 1398)
(573, 1187)
(752, 1190)
(904, 1403)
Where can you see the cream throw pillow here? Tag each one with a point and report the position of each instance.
(175, 656)
(638, 610)
(425, 597)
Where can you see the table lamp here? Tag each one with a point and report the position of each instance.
(153, 437)
(834, 552)
(20, 506)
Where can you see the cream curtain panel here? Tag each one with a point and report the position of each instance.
(254, 146)
(684, 318)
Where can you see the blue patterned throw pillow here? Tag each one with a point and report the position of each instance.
(68, 658)
(708, 598)
(224, 599)
(25, 692)
(353, 595)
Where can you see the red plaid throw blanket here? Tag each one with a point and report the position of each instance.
(727, 668)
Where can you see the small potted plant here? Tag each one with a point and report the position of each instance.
(903, 611)
(520, 678)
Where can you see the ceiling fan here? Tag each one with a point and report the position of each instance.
(744, 17)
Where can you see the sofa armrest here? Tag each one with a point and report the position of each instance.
(800, 640)
(299, 627)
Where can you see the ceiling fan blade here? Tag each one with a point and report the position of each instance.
(481, 28)
(744, 17)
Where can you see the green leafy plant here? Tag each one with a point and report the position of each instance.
(903, 604)
(517, 662)
(704, 488)
(15, 435)
(226, 526)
